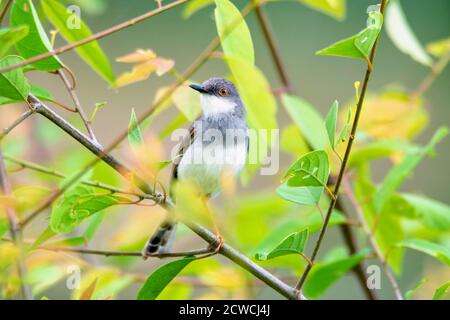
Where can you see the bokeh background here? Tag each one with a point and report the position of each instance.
(300, 32)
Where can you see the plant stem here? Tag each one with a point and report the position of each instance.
(70, 88)
(207, 235)
(15, 230)
(18, 121)
(5, 10)
(344, 160)
(273, 48)
(94, 37)
(57, 174)
(349, 193)
(436, 70)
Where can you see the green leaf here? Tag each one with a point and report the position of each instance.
(43, 237)
(307, 119)
(41, 93)
(292, 244)
(311, 221)
(76, 205)
(302, 195)
(402, 36)
(310, 170)
(359, 45)
(194, 6)
(409, 294)
(323, 275)
(435, 250)
(9, 36)
(91, 52)
(441, 291)
(379, 149)
(134, 131)
(36, 41)
(400, 172)
(13, 84)
(233, 32)
(330, 123)
(335, 8)
(93, 225)
(387, 225)
(159, 279)
(433, 214)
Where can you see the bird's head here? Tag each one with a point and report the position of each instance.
(218, 95)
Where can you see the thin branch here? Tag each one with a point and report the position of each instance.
(15, 230)
(57, 174)
(207, 235)
(271, 43)
(18, 121)
(436, 70)
(345, 159)
(71, 89)
(107, 253)
(5, 10)
(94, 37)
(353, 247)
(349, 193)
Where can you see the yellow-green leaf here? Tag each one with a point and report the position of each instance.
(91, 52)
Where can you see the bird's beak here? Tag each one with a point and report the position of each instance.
(198, 88)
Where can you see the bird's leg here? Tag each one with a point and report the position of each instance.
(219, 241)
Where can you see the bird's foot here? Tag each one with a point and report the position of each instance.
(217, 245)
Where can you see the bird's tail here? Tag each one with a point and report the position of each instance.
(161, 240)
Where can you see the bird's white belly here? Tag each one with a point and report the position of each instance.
(207, 165)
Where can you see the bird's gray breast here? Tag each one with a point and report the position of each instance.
(218, 150)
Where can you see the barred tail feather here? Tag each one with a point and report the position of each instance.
(161, 240)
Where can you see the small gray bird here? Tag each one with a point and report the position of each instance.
(216, 146)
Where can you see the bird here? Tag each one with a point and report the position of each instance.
(215, 146)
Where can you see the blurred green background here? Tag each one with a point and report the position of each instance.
(300, 32)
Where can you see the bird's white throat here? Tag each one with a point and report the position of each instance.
(213, 105)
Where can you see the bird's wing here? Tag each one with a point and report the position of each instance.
(185, 144)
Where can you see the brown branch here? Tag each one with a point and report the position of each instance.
(271, 43)
(57, 174)
(107, 253)
(18, 121)
(71, 89)
(15, 230)
(344, 160)
(349, 193)
(5, 10)
(94, 37)
(436, 70)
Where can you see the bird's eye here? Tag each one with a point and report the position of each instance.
(223, 92)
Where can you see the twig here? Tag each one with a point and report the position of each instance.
(18, 121)
(107, 253)
(207, 235)
(344, 161)
(57, 174)
(5, 10)
(353, 247)
(94, 37)
(71, 89)
(349, 193)
(436, 70)
(15, 230)
(271, 43)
